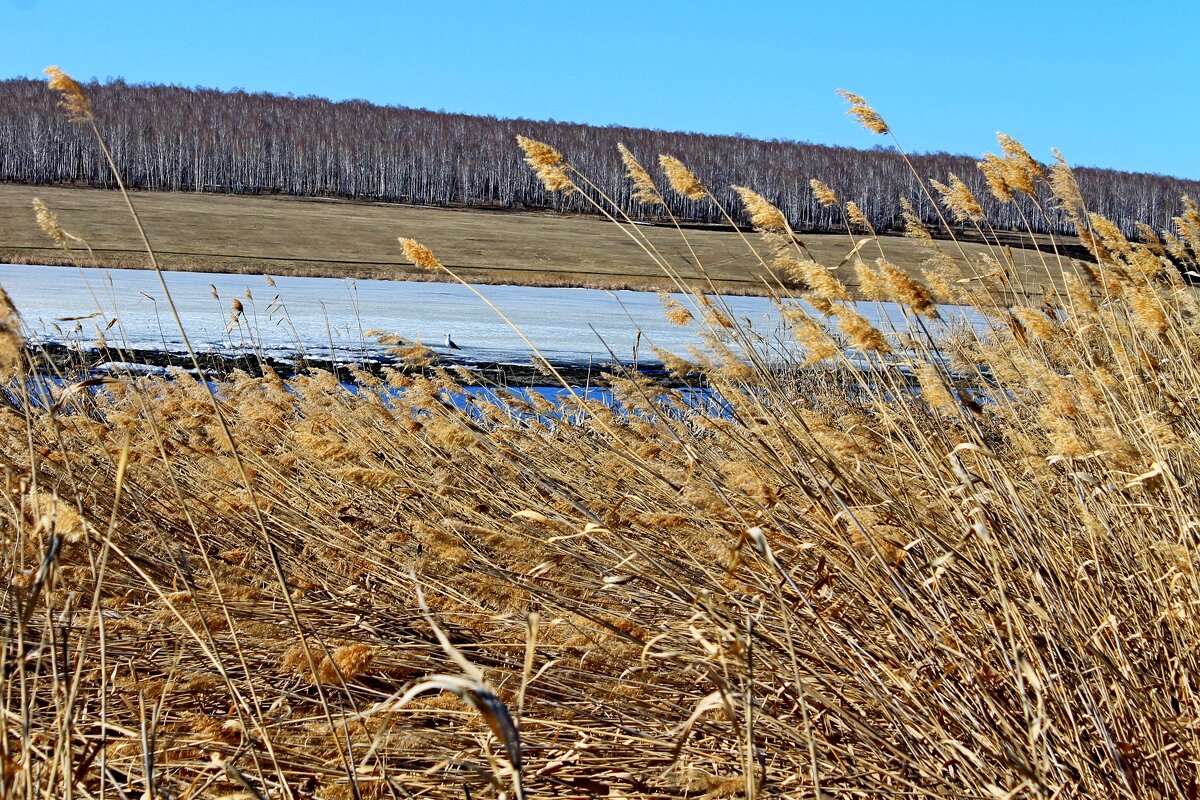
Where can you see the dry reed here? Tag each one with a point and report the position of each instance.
(966, 569)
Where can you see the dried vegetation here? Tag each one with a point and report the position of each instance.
(833, 585)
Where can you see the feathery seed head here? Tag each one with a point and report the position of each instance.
(813, 336)
(1147, 309)
(12, 341)
(55, 515)
(996, 174)
(1036, 324)
(415, 354)
(548, 164)
(764, 215)
(914, 228)
(907, 290)
(48, 222)
(556, 179)
(538, 154)
(862, 334)
(420, 255)
(1015, 172)
(960, 200)
(674, 364)
(933, 389)
(820, 281)
(941, 272)
(870, 283)
(1065, 189)
(1150, 265)
(856, 216)
(73, 99)
(682, 179)
(1112, 237)
(644, 189)
(1189, 224)
(1150, 239)
(867, 117)
(823, 194)
(1022, 163)
(1176, 248)
(676, 313)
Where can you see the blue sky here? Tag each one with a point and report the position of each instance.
(1111, 84)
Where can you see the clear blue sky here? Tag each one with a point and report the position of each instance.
(1110, 83)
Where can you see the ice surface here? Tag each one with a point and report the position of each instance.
(323, 316)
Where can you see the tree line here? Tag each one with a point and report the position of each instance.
(174, 138)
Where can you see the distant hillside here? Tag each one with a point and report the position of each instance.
(179, 139)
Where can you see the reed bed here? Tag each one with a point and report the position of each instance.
(893, 564)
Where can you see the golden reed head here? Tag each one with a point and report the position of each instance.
(73, 98)
(682, 179)
(867, 117)
(420, 255)
(548, 164)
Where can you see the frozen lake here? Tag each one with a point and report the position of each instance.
(324, 316)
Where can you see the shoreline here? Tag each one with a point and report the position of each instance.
(91, 362)
(381, 270)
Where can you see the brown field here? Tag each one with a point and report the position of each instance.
(291, 236)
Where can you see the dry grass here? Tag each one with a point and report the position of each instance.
(289, 236)
(837, 587)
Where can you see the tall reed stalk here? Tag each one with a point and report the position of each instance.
(936, 561)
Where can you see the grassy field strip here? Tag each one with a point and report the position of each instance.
(288, 236)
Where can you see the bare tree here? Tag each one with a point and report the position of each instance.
(178, 139)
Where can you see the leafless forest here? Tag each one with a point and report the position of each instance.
(180, 139)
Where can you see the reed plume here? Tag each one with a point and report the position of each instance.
(861, 111)
(823, 194)
(820, 281)
(856, 216)
(72, 98)
(960, 200)
(1024, 170)
(676, 313)
(907, 290)
(1189, 224)
(682, 179)
(1065, 189)
(813, 336)
(548, 164)
(47, 220)
(12, 340)
(862, 334)
(870, 283)
(996, 174)
(765, 216)
(934, 391)
(645, 191)
(420, 255)
(914, 227)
